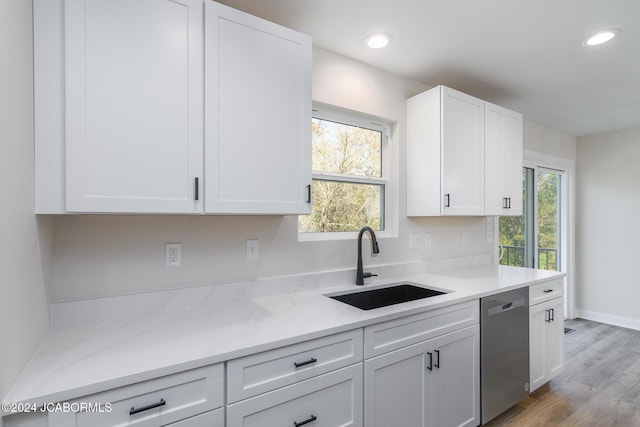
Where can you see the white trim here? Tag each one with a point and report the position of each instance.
(609, 319)
(567, 226)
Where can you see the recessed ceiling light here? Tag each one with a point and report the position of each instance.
(600, 37)
(378, 40)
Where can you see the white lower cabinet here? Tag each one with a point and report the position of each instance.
(158, 402)
(456, 379)
(546, 341)
(433, 383)
(328, 400)
(213, 418)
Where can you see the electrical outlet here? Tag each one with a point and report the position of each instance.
(252, 249)
(172, 254)
(465, 238)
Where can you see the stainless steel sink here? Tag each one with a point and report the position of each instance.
(386, 296)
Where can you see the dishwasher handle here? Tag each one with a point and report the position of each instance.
(502, 308)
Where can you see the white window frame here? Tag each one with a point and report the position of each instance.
(354, 118)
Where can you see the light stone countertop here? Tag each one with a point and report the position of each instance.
(76, 361)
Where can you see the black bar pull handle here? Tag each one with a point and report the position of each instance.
(437, 364)
(447, 200)
(548, 291)
(504, 203)
(553, 314)
(197, 189)
(135, 410)
(430, 367)
(547, 316)
(307, 421)
(306, 362)
(309, 193)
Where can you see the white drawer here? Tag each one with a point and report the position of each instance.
(333, 399)
(213, 418)
(151, 403)
(394, 334)
(266, 371)
(545, 291)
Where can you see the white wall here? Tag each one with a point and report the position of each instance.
(549, 142)
(108, 255)
(608, 235)
(24, 240)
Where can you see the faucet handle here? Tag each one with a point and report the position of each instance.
(366, 275)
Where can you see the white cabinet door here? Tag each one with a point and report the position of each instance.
(328, 400)
(462, 153)
(546, 341)
(455, 387)
(395, 388)
(537, 345)
(555, 339)
(258, 115)
(133, 105)
(445, 153)
(512, 149)
(432, 383)
(503, 161)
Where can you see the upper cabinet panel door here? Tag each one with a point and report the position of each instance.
(134, 105)
(503, 161)
(462, 153)
(512, 150)
(257, 115)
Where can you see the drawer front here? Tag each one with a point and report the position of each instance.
(266, 371)
(150, 403)
(329, 400)
(394, 334)
(213, 418)
(545, 291)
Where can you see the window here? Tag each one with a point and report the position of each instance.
(349, 173)
(533, 239)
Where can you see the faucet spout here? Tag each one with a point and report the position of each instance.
(360, 275)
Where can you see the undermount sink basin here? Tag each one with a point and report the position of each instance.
(383, 297)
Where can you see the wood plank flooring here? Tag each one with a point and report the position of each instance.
(600, 385)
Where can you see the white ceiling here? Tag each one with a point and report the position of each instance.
(523, 54)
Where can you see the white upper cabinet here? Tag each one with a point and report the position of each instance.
(445, 153)
(503, 161)
(464, 156)
(121, 93)
(257, 114)
(133, 105)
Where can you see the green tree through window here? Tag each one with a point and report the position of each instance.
(348, 185)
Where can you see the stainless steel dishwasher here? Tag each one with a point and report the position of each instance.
(504, 351)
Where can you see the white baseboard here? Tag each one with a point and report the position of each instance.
(609, 319)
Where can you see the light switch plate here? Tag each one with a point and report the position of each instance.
(252, 249)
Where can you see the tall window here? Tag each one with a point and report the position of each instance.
(533, 239)
(349, 174)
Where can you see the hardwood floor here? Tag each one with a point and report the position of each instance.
(600, 385)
